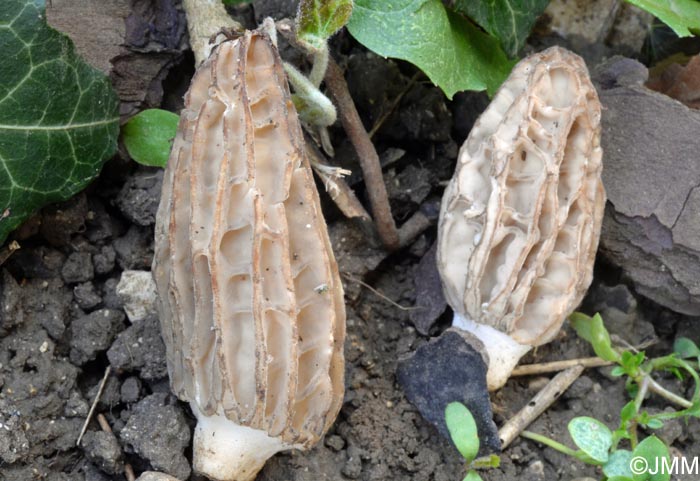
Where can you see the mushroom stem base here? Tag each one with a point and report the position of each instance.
(503, 351)
(226, 451)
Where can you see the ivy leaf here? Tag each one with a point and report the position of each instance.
(59, 117)
(683, 16)
(148, 136)
(510, 21)
(592, 437)
(318, 20)
(462, 428)
(454, 53)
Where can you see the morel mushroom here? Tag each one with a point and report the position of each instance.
(520, 219)
(251, 303)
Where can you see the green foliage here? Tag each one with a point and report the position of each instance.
(59, 117)
(462, 428)
(618, 464)
(591, 329)
(318, 20)
(592, 437)
(464, 435)
(510, 21)
(683, 16)
(148, 136)
(600, 446)
(235, 2)
(455, 54)
(652, 449)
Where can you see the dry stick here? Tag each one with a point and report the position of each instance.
(369, 160)
(538, 405)
(413, 227)
(94, 404)
(128, 470)
(554, 366)
(206, 18)
(338, 190)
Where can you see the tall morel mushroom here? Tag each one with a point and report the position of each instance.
(521, 217)
(251, 304)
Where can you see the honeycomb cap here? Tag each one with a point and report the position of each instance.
(521, 217)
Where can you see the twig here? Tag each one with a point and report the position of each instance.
(369, 160)
(377, 293)
(102, 421)
(385, 115)
(339, 191)
(129, 472)
(413, 227)
(554, 366)
(206, 19)
(8, 251)
(538, 405)
(94, 404)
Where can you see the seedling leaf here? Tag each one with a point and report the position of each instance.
(592, 437)
(148, 136)
(653, 450)
(454, 53)
(592, 330)
(618, 464)
(318, 20)
(686, 348)
(462, 428)
(59, 117)
(508, 20)
(472, 476)
(683, 16)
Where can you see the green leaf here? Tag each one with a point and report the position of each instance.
(508, 20)
(462, 428)
(455, 54)
(148, 136)
(618, 464)
(654, 424)
(592, 437)
(620, 478)
(683, 16)
(686, 348)
(653, 450)
(592, 330)
(472, 476)
(59, 117)
(318, 20)
(628, 412)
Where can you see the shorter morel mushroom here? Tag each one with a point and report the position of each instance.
(521, 217)
(251, 303)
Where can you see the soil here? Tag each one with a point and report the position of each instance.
(63, 323)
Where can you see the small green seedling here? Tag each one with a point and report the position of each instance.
(463, 431)
(597, 444)
(637, 460)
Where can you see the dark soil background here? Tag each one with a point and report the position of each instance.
(63, 319)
